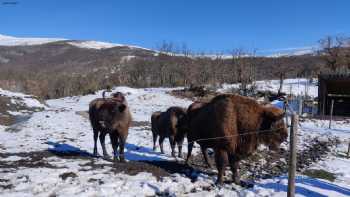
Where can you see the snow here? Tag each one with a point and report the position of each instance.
(93, 44)
(22, 99)
(295, 86)
(89, 44)
(290, 51)
(305, 186)
(14, 41)
(61, 128)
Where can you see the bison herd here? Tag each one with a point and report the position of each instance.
(232, 125)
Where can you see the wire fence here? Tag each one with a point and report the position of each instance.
(237, 135)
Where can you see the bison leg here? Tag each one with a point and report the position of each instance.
(122, 141)
(179, 146)
(95, 143)
(220, 160)
(155, 136)
(205, 155)
(189, 147)
(114, 142)
(172, 145)
(234, 164)
(161, 140)
(102, 141)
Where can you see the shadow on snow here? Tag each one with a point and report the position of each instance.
(306, 181)
(135, 155)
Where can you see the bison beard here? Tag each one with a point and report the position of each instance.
(229, 122)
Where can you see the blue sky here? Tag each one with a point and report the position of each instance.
(210, 26)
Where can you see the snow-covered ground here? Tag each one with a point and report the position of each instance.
(295, 86)
(62, 128)
(22, 99)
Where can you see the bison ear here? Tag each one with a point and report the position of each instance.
(273, 113)
(122, 107)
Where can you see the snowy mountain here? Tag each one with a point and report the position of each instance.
(89, 44)
(14, 41)
(291, 52)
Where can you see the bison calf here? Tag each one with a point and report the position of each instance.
(113, 117)
(164, 124)
(184, 126)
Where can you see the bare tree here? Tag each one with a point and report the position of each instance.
(245, 67)
(332, 51)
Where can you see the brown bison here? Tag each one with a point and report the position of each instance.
(110, 116)
(183, 126)
(164, 124)
(234, 126)
(154, 127)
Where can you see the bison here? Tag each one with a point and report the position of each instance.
(155, 127)
(108, 115)
(164, 124)
(233, 126)
(183, 126)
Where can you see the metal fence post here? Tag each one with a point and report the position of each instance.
(348, 154)
(300, 110)
(331, 118)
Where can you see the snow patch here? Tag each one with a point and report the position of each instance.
(297, 86)
(94, 44)
(14, 41)
(22, 99)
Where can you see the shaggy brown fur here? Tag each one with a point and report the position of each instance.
(155, 131)
(113, 117)
(164, 124)
(118, 96)
(237, 117)
(183, 126)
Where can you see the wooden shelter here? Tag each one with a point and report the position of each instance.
(334, 87)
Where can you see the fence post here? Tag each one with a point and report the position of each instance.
(292, 155)
(348, 154)
(285, 111)
(300, 100)
(331, 118)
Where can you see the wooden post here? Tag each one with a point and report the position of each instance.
(292, 155)
(330, 120)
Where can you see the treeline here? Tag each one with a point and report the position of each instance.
(168, 69)
(163, 70)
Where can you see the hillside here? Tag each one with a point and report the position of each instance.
(53, 68)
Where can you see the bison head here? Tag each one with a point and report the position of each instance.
(118, 108)
(118, 96)
(111, 109)
(273, 129)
